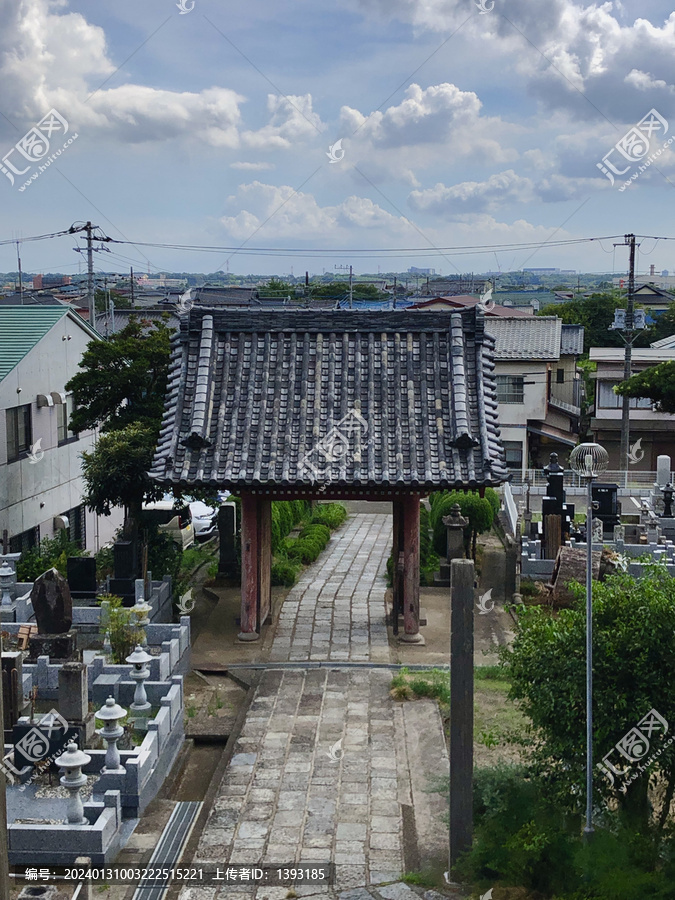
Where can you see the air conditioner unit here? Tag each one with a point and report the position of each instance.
(61, 523)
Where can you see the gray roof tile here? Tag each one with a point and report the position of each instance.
(536, 337)
(297, 398)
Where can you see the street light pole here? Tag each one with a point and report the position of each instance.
(589, 461)
(588, 828)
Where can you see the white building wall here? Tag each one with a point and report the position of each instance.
(32, 494)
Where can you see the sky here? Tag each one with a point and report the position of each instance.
(338, 134)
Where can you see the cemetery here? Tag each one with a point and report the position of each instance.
(92, 689)
(629, 535)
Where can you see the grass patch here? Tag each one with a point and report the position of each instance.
(434, 683)
(419, 878)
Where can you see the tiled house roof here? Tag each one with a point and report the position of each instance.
(572, 340)
(531, 337)
(345, 398)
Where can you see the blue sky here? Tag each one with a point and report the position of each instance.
(458, 128)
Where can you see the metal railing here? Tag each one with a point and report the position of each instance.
(624, 479)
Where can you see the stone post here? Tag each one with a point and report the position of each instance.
(461, 708)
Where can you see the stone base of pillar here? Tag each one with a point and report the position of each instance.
(248, 636)
(412, 639)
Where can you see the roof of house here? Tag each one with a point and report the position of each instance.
(650, 290)
(21, 327)
(665, 343)
(121, 317)
(572, 340)
(526, 337)
(466, 301)
(353, 399)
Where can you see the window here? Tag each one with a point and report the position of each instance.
(63, 412)
(19, 431)
(510, 388)
(24, 541)
(76, 526)
(607, 399)
(560, 376)
(513, 451)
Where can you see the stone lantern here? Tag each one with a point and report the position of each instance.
(6, 582)
(111, 732)
(141, 610)
(74, 780)
(139, 673)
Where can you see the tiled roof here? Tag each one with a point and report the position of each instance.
(526, 337)
(572, 340)
(21, 327)
(298, 398)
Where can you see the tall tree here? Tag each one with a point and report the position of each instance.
(122, 380)
(120, 389)
(596, 314)
(656, 382)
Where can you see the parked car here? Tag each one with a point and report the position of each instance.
(173, 518)
(204, 520)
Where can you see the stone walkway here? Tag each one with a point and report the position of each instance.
(320, 770)
(336, 610)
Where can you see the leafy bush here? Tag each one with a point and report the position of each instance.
(322, 532)
(330, 514)
(284, 572)
(121, 626)
(51, 553)
(478, 510)
(522, 839)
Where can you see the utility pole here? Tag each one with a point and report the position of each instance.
(132, 288)
(628, 355)
(90, 275)
(18, 256)
(394, 304)
(351, 292)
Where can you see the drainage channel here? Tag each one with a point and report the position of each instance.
(171, 844)
(321, 664)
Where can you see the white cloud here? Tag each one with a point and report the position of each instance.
(474, 196)
(50, 57)
(252, 166)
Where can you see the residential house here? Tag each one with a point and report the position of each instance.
(41, 484)
(466, 302)
(655, 431)
(538, 387)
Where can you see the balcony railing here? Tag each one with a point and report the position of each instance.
(566, 396)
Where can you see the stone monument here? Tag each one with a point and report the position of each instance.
(455, 524)
(53, 610)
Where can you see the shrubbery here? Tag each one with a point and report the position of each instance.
(480, 511)
(291, 553)
(51, 553)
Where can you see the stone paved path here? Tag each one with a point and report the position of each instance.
(320, 770)
(336, 610)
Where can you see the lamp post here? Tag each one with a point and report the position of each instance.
(589, 461)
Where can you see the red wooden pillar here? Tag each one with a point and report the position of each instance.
(265, 560)
(410, 507)
(250, 567)
(397, 575)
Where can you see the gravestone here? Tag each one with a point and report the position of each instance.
(53, 610)
(455, 524)
(73, 702)
(82, 577)
(12, 687)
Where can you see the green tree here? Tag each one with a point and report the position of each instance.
(115, 473)
(634, 660)
(122, 380)
(596, 314)
(664, 324)
(119, 300)
(656, 382)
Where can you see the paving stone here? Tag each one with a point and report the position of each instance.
(385, 823)
(397, 891)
